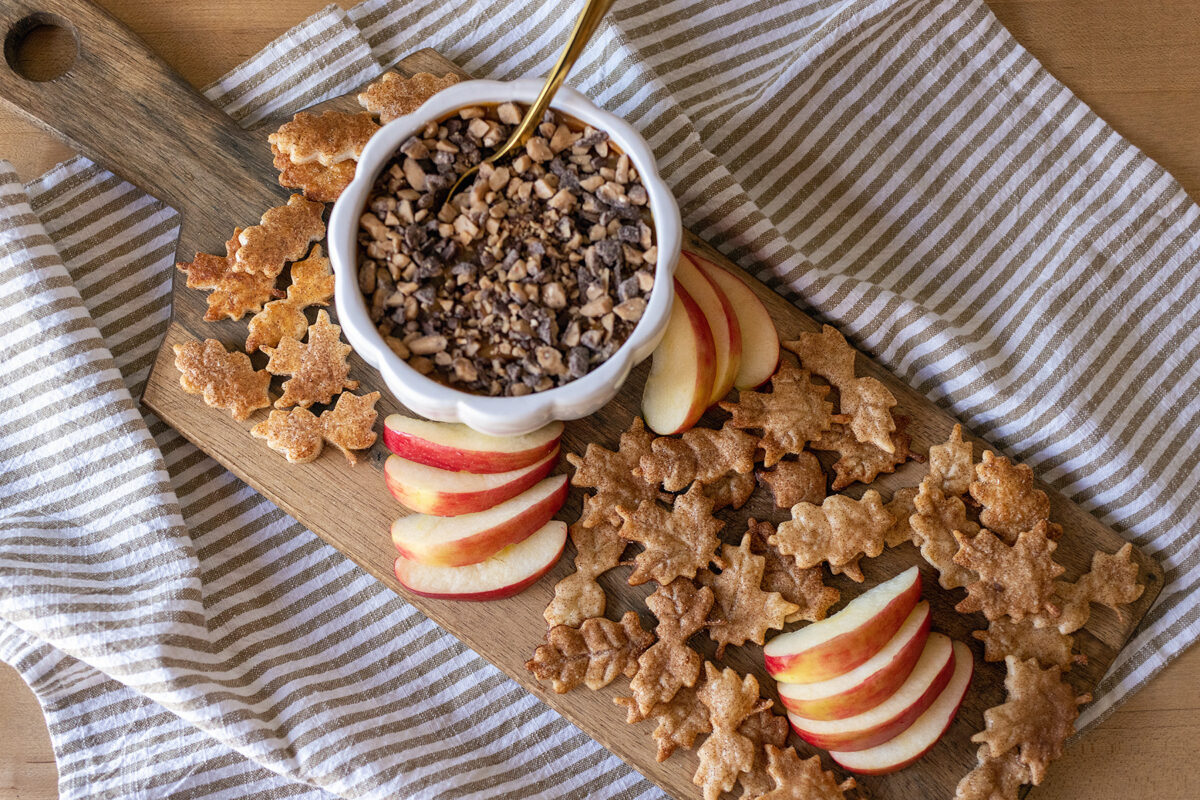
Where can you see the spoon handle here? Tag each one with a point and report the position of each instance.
(589, 18)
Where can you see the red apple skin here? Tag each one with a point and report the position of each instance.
(405, 571)
(486, 543)
(690, 272)
(759, 338)
(959, 650)
(843, 653)
(886, 730)
(478, 597)
(705, 356)
(423, 451)
(446, 504)
(869, 693)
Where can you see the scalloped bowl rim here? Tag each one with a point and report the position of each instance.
(501, 416)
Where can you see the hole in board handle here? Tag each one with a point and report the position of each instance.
(41, 47)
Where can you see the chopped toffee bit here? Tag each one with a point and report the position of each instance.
(530, 277)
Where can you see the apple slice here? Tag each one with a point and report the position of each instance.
(452, 446)
(926, 681)
(471, 538)
(840, 643)
(429, 490)
(920, 737)
(508, 572)
(682, 372)
(722, 321)
(760, 339)
(867, 685)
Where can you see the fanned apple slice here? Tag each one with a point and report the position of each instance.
(842, 642)
(506, 573)
(867, 685)
(471, 538)
(682, 371)
(760, 339)
(453, 446)
(879, 724)
(722, 321)
(920, 737)
(443, 493)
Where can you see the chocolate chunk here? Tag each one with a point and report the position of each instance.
(577, 362)
(609, 251)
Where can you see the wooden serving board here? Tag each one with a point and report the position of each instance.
(123, 107)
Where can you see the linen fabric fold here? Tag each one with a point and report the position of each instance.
(902, 168)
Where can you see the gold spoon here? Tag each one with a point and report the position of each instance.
(589, 18)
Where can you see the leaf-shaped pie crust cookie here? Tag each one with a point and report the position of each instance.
(792, 414)
(840, 530)
(614, 475)
(742, 611)
(1036, 718)
(678, 542)
(670, 664)
(224, 379)
(233, 293)
(318, 367)
(726, 753)
(866, 401)
(1017, 579)
(802, 779)
(312, 284)
(392, 95)
(592, 655)
(1011, 503)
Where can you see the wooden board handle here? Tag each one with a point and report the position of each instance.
(122, 106)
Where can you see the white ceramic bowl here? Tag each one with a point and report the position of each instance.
(501, 416)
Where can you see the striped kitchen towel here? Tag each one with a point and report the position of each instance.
(903, 168)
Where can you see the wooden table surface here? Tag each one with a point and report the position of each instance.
(1133, 61)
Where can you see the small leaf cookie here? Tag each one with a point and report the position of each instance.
(592, 655)
(282, 235)
(803, 587)
(614, 476)
(312, 284)
(225, 379)
(1017, 579)
(1011, 503)
(952, 463)
(840, 530)
(350, 424)
(326, 139)
(726, 753)
(319, 183)
(296, 433)
(578, 596)
(763, 728)
(300, 435)
(743, 611)
(866, 401)
(700, 454)
(1036, 718)
(792, 482)
(792, 414)
(318, 367)
(233, 293)
(392, 95)
(678, 542)
(669, 664)
(802, 779)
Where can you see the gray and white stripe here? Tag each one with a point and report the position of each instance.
(901, 167)
(236, 644)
